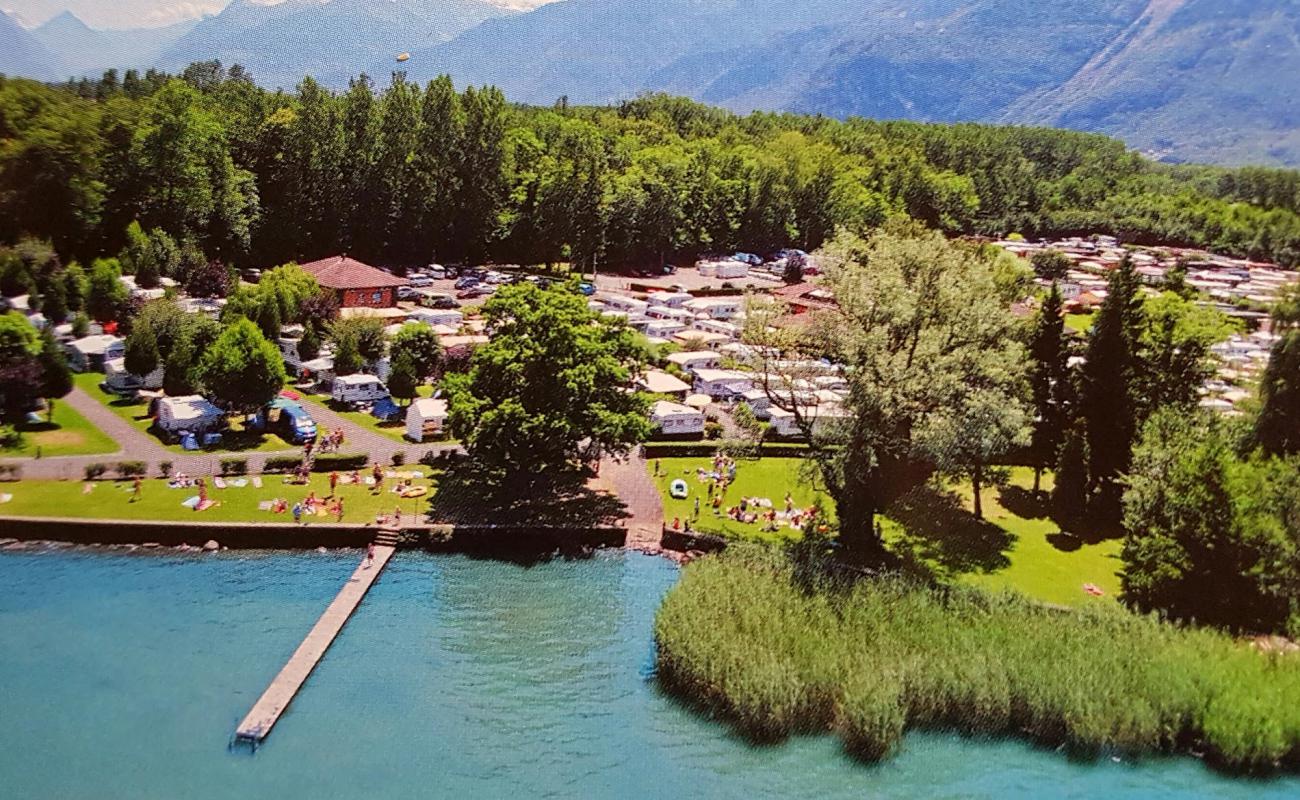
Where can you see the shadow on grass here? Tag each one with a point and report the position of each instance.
(1075, 530)
(467, 495)
(1025, 503)
(939, 535)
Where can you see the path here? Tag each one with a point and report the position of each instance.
(266, 712)
(630, 480)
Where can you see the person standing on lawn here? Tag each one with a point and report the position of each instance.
(136, 489)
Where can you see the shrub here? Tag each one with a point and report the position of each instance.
(165, 468)
(11, 472)
(95, 471)
(282, 463)
(329, 462)
(778, 650)
(234, 466)
(399, 458)
(131, 469)
(712, 430)
(10, 438)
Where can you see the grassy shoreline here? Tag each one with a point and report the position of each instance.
(738, 636)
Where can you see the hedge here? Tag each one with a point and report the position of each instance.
(331, 462)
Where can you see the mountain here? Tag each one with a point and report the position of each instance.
(22, 54)
(82, 50)
(331, 40)
(1184, 79)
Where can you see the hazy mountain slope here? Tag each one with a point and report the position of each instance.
(1204, 79)
(331, 40)
(82, 50)
(22, 54)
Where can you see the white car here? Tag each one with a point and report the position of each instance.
(436, 272)
(421, 280)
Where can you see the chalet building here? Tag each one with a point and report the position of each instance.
(357, 285)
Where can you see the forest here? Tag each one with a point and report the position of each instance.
(407, 174)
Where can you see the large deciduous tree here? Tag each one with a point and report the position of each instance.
(550, 390)
(242, 370)
(921, 328)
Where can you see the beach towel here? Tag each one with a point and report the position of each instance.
(191, 502)
(206, 504)
(219, 482)
(257, 481)
(265, 505)
(239, 483)
(88, 488)
(5, 498)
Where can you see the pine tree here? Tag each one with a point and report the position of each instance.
(1048, 356)
(1277, 430)
(1107, 400)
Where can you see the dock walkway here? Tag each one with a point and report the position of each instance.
(266, 712)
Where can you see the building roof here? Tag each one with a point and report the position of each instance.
(663, 408)
(429, 407)
(341, 272)
(663, 383)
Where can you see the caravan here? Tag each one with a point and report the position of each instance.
(358, 389)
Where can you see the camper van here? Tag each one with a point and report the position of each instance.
(356, 389)
(286, 419)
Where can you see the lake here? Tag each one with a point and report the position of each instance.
(124, 675)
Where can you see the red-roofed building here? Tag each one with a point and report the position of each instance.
(805, 297)
(357, 285)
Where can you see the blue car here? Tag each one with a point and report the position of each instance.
(288, 420)
(586, 288)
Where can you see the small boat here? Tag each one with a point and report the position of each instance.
(404, 57)
(678, 489)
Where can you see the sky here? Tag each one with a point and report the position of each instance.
(145, 13)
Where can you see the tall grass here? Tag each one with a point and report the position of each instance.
(868, 660)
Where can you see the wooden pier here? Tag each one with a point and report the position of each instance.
(266, 712)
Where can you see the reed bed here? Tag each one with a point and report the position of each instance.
(868, 660)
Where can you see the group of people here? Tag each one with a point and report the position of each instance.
(313, 505)
(329, 443)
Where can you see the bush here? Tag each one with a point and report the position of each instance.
(11, 472)
(234, 466)
(165, 469)
(131, 469)
(95, 471)
(330, 462)
(712, 430)
(399, 458)
(779, 650)
(282, 463)
(10, 438)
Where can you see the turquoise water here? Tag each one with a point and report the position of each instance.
(123, 676)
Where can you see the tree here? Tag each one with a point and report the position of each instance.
(548, 391)
(1174, 351)
(20, 369)
(106, 296)
(1048, 356)
(1070, 494)
(1051, 265)
(1277, 428)
(1210, 538)
(347, 361)
(74, 286)
(402, 381)
(1108, 401)
(142, 355)
(309, 344)
(920, 325)
(362, 336)
(794, 264)
(419, 343)
(208, 279)
(242, 370)
(989, 424)
(56, 376)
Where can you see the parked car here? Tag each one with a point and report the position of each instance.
(286, 419)
(407, 293)
(587, 288)
(252, 275)
(437, 300)
(421, 281)
(466, 282)
(478, 290)
(435, 271)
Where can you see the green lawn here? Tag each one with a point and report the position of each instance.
(1016, 546)
(112, 500)
(1080, 323)
(70, 434)
(234, 440)
(769, 477)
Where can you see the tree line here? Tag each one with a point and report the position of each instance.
(406, 174)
